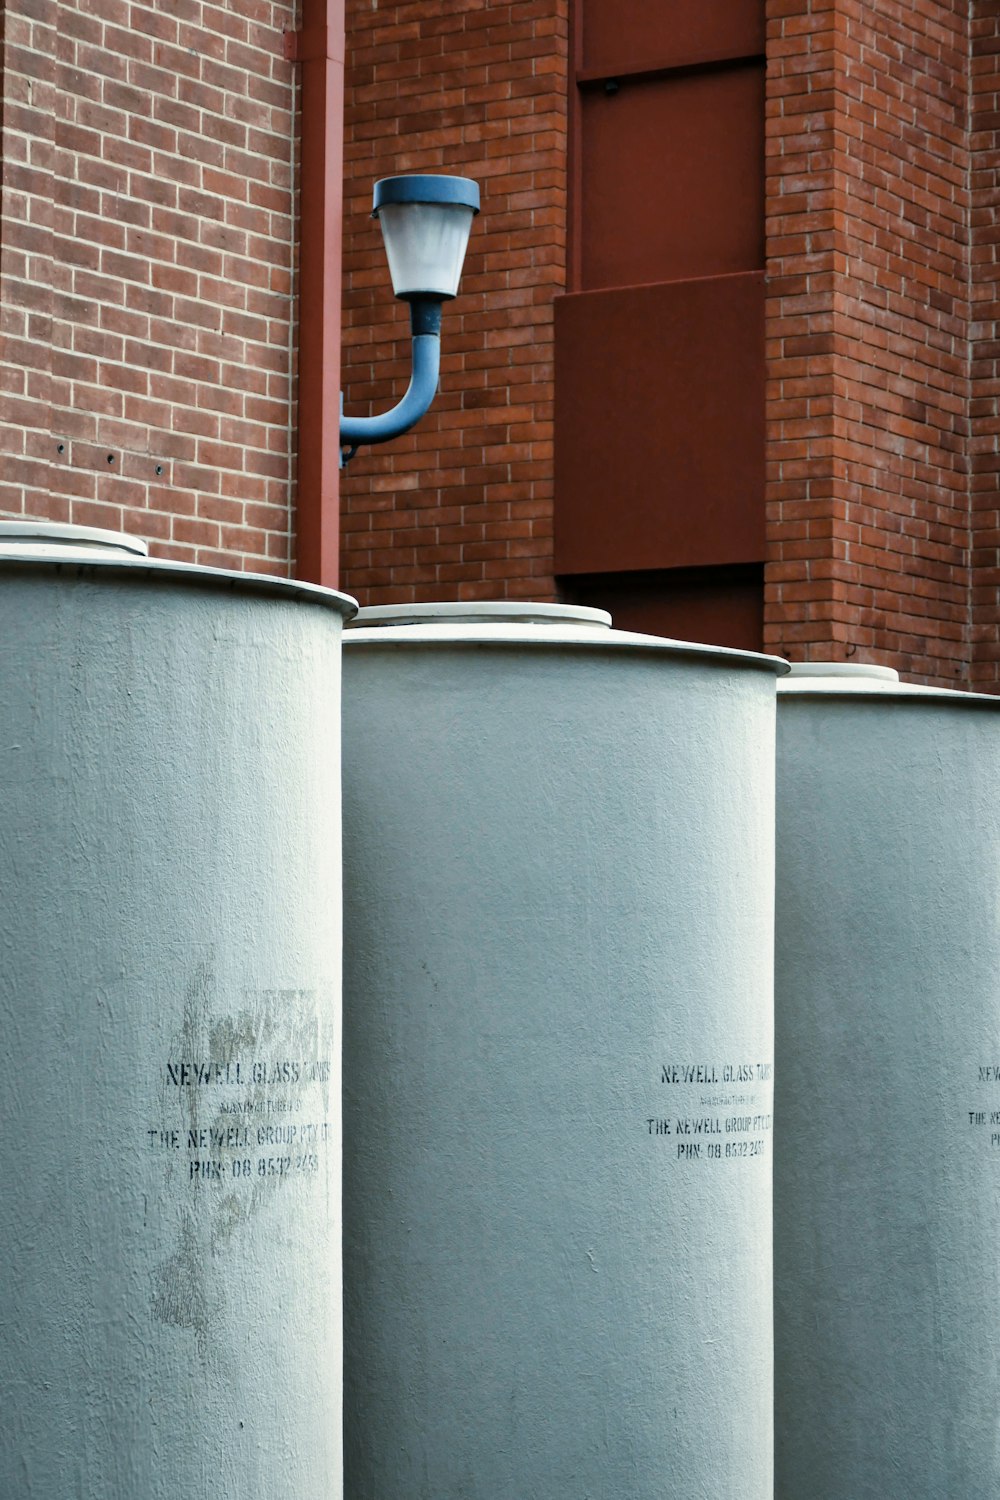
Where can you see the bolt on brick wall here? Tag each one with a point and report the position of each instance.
(146, 273)
(462, 507)
(985, 406)
(868, 251)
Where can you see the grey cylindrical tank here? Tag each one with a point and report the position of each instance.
(170, 1320)
(887, 1107)
(558, 1046)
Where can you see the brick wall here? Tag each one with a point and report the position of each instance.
(462, 507)
(985, 406)
(147, 283)
(868, 319)
(804, 578)
(147, 272)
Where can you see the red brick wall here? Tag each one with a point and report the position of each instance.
(147, 272)
(868, 333)
(462, 507)
(985, 407)
(147, 284)
(804, 578)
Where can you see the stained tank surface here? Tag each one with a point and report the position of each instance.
(170, 1303)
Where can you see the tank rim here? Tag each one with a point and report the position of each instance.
(162, 570)
(482, 612)
(583, 642)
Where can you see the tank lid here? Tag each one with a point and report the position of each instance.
(854, 671)
(27, 545)
(43, 539)
(841, 679)
(483, 612)
(518, 624)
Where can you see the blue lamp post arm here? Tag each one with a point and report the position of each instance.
(419, 395)
(425, 319)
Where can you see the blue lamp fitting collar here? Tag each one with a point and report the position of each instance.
(426, 189)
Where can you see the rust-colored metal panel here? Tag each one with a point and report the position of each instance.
(717, 606)
(320, 50)
(672, 178)
(659, 426)
(618, 35)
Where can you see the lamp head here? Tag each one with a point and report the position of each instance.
(425, 223)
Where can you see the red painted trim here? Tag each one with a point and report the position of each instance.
(319, 48)
(574, 218)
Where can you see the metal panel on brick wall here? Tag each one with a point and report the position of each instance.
(721, 606)
(671, 177)
(626, 34)
(659, 458)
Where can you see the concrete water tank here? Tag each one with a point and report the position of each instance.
(887, 1106)
(170, 1317)
(558, 1049)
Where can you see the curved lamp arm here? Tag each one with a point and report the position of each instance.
(425, 325)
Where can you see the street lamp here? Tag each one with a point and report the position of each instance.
(425, 224)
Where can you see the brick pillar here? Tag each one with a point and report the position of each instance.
(985, 407)
(868, 522)
(27, 121)
(462, 507)
(147, 271)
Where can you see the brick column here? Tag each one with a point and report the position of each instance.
(27, 121)
(868, 207)
(147, 272)
(985, 406)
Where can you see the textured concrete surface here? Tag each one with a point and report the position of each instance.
(558, 1041)
(170, 1316)
(887, 1107)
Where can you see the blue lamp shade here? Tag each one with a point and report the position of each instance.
(425, 225)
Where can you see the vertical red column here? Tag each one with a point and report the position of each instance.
(320, 49)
